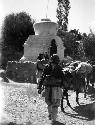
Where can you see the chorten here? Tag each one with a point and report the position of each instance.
(45, 32)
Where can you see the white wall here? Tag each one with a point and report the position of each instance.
(39, 44)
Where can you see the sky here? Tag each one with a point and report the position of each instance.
(81, 13)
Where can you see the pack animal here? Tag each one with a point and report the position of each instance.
(75, 78)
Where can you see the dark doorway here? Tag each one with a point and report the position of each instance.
(53, 47)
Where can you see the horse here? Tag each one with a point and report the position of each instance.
(76, 79)
(74, 82)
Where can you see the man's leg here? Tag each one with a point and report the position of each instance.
(55, 109)
(49, 104)
(50, 111)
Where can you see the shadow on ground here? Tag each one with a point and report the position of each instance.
(57, 123)
(84, 112)
(11, 123)
(91, 93)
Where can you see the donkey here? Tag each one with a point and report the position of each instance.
(72, 81)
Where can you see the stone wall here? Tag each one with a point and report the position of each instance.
(21, 72)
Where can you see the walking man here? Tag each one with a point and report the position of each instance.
(52, 80)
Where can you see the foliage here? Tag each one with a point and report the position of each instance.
(15, 30)
(81, 52)
(70, 40)
(89, 45)
(62, 14)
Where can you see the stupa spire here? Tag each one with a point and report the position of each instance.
(47, 9)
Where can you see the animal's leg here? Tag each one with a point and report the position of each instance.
(87, 83)
(77, 99)
(85, 93)
(92, 80)
(62, 108)
(85, 87)
(68, 103)
(92, 84)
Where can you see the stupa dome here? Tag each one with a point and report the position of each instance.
(45, 27)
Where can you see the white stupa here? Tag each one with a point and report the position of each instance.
(45, 32)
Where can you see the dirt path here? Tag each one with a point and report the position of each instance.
(23, 105)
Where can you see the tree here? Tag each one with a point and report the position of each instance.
(71, 42)
(81, 52)
(15, 30)
(62, 14)
(89, 45)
